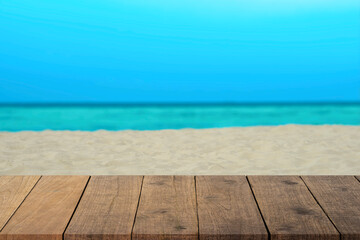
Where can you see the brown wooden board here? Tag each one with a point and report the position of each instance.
(167, 209)
(107, 209)
(339, 196)
(227, 209)
(13, 190)
(289, 209)
(47, 210)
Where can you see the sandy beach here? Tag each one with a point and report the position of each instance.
(288, 149)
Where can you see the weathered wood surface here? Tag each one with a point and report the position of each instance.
(339, 196)
(47, 210)
(13, 190)
(227, 209)
(179, 207)
(167, 209)
(289, 209)
(107, 209)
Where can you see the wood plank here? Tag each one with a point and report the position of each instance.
(47, 210)
(167, 209)
(289, 209)
(13, 190)
(107, 209)
(339, 196)
(227, 209)
(358, 178)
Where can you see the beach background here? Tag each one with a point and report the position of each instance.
(289, 149)
(208, 144)
(147, 116)
(179, 87)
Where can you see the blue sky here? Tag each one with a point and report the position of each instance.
(161, 51)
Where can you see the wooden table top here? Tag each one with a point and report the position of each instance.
(179, 207)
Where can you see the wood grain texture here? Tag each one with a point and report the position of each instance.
(167, 209)
(339, 196)
(289, 209)
(227, 209)
(47, 210)
(13, 190)
(107, 209)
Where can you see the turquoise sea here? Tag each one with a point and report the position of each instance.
(90, 117)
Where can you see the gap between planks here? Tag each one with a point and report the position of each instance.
(137, 207)
(2, 226)
(77, 205)
(321, 206)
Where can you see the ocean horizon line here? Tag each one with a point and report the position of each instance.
(165, 104)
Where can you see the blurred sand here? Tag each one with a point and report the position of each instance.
(289, 149)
